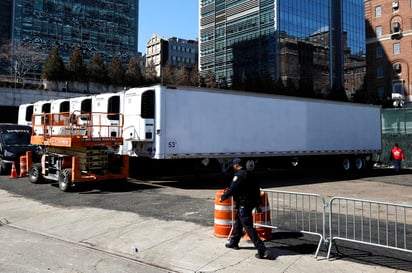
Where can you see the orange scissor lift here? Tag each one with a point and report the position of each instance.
(78, 148)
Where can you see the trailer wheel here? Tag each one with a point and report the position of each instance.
(205, 162)
(250, 165)
(65, 179)
(359, 163)
(346, 164)
(294, 162)
(35, 175)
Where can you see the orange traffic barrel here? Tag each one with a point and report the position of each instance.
(23, 166)
(262, 218)
(224, 215)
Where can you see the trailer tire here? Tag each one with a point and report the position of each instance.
(205, 162)
(35, 175)
(294, 162)
(250, 165)
(346, 164)
(65, 179)
(359, 163)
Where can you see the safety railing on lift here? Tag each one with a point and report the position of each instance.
(78, 124)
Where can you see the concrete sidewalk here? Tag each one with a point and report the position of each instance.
(176, 246)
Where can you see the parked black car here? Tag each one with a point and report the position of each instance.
(14, 142)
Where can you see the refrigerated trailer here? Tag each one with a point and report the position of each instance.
(185, 122)
(165, 123)
(25, 114)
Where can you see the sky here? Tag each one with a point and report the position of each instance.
(167, 18)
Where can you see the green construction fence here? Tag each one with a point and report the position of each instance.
(397, 128)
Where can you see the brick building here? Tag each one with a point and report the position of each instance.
(389, 49)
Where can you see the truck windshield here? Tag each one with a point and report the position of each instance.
(15, 138)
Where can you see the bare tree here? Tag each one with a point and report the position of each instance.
(194, 76)
(182, 75)
(210, 79)
(168, 74)
(133, 74)
(116, 71)
(151, 73)
(21, 59)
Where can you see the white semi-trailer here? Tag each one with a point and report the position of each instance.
(196, 123)
(184, 122)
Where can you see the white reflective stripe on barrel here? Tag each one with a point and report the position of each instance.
(220, 207)
(223, 222)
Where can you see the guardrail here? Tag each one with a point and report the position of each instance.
(374, 223)
(298, 212)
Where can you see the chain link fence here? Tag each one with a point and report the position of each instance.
(396, 128)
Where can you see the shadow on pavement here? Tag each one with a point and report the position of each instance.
(364, 254)
(293, 243)
(269, 178)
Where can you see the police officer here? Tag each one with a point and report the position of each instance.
(246, 194)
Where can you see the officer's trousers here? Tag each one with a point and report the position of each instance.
(244, 220)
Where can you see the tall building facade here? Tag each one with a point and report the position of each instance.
(311, 44)
(107, 27)
(5, 20)
(173, 51)
(389, 47)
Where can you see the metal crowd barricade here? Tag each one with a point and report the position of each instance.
(374, 223)
(298, 212)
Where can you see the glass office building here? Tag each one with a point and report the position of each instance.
(107, 27)
(5, 20)
(313, 44)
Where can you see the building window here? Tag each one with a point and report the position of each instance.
(379, 72)
(379, 52)
(397, 87)
(397, 69)
(396, 27)
(381, 92)
(378, 11)
(395, 6)
(378, 31)
(396, 48)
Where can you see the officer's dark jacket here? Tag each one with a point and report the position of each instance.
(245, 191)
